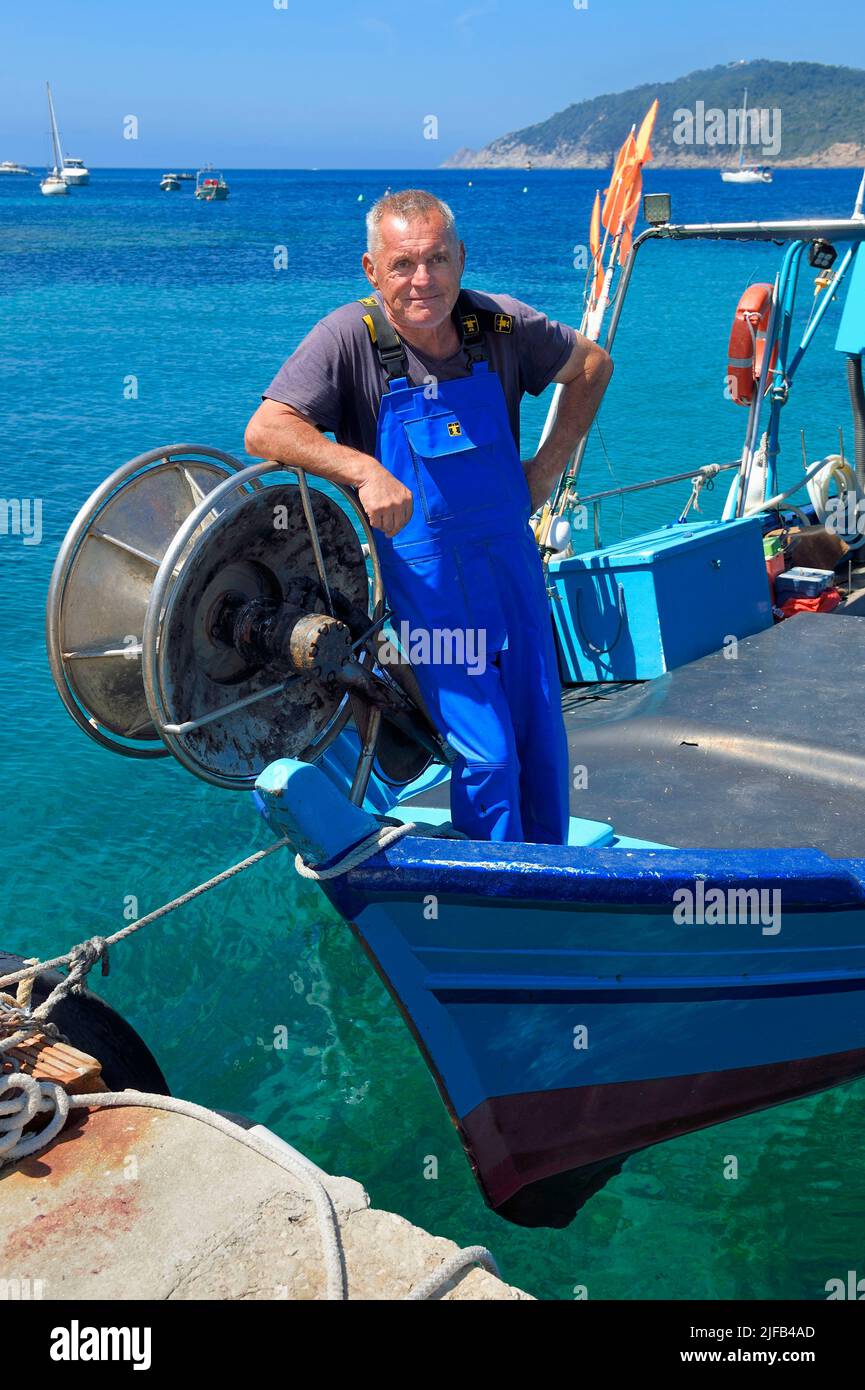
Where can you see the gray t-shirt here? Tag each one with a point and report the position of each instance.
(335, 376)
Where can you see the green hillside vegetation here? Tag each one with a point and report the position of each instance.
(822, 114)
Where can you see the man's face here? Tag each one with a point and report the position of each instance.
(417, 267)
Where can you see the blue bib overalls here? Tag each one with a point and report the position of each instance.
(465, 582)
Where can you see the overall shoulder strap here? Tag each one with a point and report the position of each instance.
(475, 324)
(474, 327)
(385, 339)
(478, 323)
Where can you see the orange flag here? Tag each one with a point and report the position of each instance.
(627, 168)
(644, 154)
(626, 187)
(595, 247)
(629, 217)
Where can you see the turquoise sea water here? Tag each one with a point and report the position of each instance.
(119, 280)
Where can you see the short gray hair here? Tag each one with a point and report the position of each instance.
(411, 204)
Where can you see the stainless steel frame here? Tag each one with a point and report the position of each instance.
(830, 229)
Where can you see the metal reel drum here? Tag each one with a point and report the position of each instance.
(101, 586)
(242, 647)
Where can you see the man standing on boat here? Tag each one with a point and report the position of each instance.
(421, 382)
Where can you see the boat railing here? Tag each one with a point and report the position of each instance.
(831, 229)
(805, 229)
(699, 478)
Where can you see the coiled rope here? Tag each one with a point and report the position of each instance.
(26, 1097)
(46, 1097)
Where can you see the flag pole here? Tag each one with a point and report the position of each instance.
(596, 307)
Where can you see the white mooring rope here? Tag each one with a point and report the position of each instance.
(26, 1097)
(386, 834)
(47, 1097)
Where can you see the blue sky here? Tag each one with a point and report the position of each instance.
(340, 85)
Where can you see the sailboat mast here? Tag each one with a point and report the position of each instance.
(55, 133)
(743, 127)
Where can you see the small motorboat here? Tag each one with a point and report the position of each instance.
(9, 167)
(210, 185)
(169, 183)
(186, 178)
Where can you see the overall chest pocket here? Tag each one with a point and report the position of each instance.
(460, 465)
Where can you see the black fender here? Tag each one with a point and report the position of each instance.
(95, 1028)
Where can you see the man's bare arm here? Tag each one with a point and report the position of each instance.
(280, 432)
(584, 380)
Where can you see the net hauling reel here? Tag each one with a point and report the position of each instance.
(225, 614)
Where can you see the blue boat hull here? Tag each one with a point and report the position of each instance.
(570, 1021)
(568, 1017)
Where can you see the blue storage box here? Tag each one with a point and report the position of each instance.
(634, 610)
(800, 582)
(851, 330)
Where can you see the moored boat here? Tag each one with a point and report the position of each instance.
(696, 951)
(53, 183)
(753, 173)
(210, 185)
(75, 172)
(746, 173)
(9, 167)
(169, 183)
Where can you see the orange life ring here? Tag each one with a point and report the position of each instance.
(748, 343)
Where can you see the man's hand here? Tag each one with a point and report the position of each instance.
(280, 432)
(386, 502)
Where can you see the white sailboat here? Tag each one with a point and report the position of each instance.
(746, 173)
(54, 183)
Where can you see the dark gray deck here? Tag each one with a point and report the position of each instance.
(765, 750)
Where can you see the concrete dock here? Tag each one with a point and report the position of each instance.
(137, 1203)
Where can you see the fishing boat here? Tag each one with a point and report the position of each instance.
(53, 182)
(696, 951)
(9, 167)
(746, 173)
(210, 185)
(689, 956)
(169, 183)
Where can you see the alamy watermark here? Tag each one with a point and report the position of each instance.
(850, 1288)
(712, 907)
(21, 516)
(758, 127)
(845, 515)
(77, 1343)
(437, 646)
